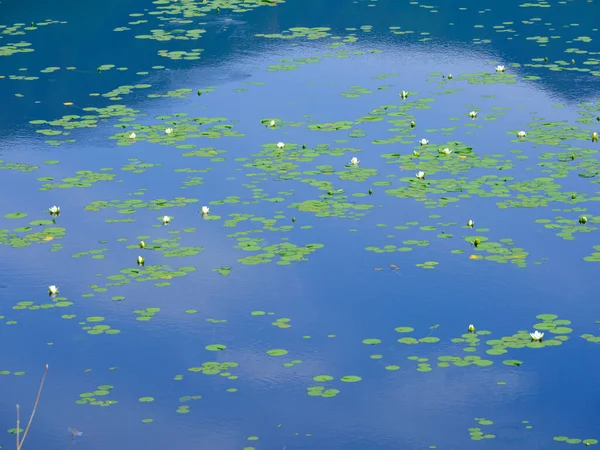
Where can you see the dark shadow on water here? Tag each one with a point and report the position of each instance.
(88, 40)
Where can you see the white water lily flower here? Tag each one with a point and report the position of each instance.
(403, 94)
(166, 220)
(594, 137)
(53, 290)
(470, 224)
(500, 68)
(55, 210)
(132, 135)
(471, 328)
(521, 134)
(354, 161)
(473, 114)
(140, 261)
(420, 175)
(280, 145)
(536, 335)
(169, 131)
(423, 141)
(205, 210)
(272, 123)
(446, 151)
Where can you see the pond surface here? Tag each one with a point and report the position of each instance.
(353, 232)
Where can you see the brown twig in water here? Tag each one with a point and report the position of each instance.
(37, 399)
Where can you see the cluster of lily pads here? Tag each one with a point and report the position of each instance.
(280, 161)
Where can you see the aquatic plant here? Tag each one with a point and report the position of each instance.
(20, 441)
(536, 336)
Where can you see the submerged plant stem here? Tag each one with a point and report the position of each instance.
(18, 425)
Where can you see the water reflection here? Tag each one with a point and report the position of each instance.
(336, 298)
(229, 38)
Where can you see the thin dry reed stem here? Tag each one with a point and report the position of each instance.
(37, 399)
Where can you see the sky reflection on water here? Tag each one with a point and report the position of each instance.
(336, 297)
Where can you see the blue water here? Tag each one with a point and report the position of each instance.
(342, 293)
